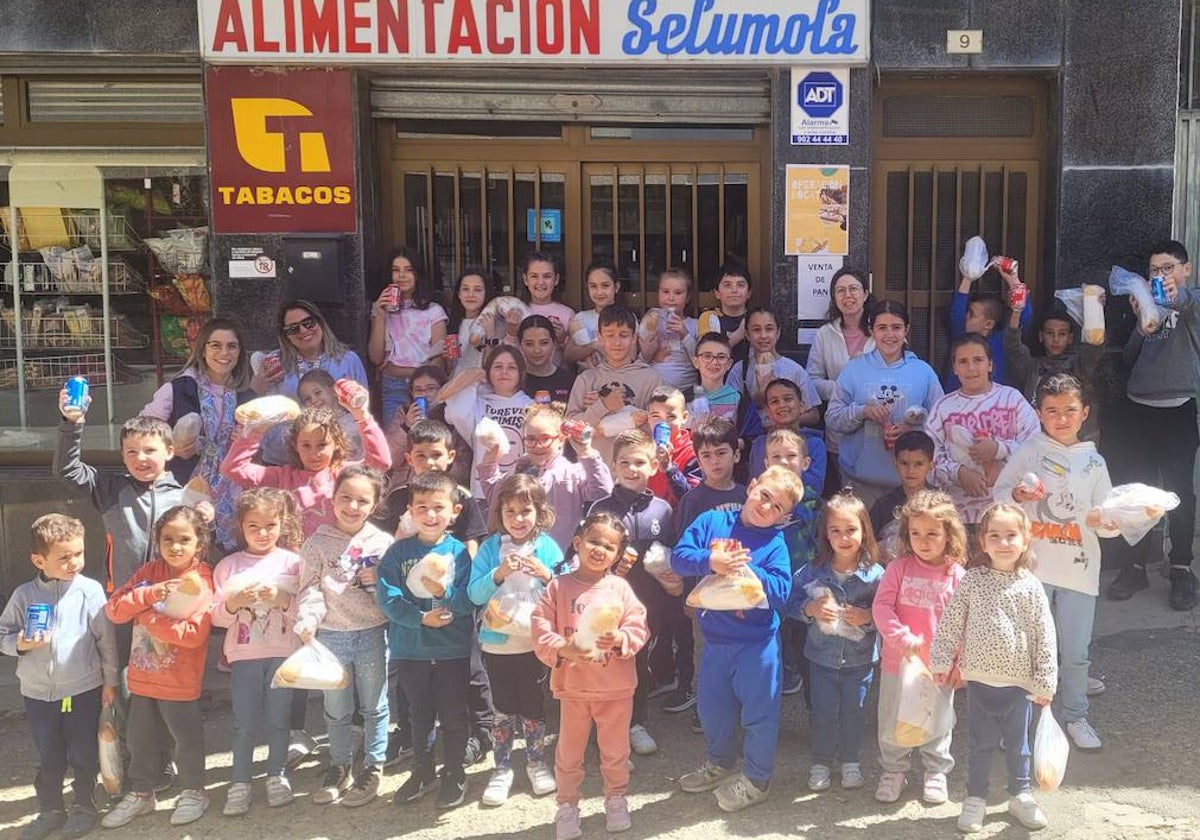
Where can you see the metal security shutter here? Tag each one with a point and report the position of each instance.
(1, 104)
(115, 101)
(728, 98)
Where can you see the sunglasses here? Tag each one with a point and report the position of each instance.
(307, 324)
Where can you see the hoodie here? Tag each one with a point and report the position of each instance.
(814, 476)
(331, 598)
(257, 633)
(128, 507)
(826, 359)
(1165, 365)
(869, 380)
(82, 653)
(768, 560)
(464, 411)
(1076, 480)
(909, 603)
(635, 381)
(408, 638)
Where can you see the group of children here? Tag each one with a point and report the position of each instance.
(448, 609)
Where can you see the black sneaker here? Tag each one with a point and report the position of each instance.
(1183, 589)
(418, 784)
(453, 790)
(81, 820)
(476, 751)
(46, 824)
(697, 727)
(663, 688)
(399, 747)
(1131, 579)
(793, 683)
(682, 700)
(364, 789)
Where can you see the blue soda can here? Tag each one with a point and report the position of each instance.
(423, 404)
(1159, 290)
(77, 393)
(37, 619)
(662, 434)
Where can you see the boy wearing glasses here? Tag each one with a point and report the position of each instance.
(1164, 376)
(713, 360)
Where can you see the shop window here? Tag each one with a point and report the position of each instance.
(110, 285)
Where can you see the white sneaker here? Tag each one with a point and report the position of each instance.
(1095, 686)
(974, 810)
(133, 805)
(541, 778)
(237, 799)
(1083, 735)
(1026, 810)
(641, 741)
(498, 786)
(279, 791)
(189, 807)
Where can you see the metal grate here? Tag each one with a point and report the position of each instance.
(921, 115)
(78, 101)
(1, 101)
(1189, 57)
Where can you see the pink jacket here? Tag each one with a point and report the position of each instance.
(565, 598)
(257, 633)
(570, 490)
(909, 603)
(313, 490)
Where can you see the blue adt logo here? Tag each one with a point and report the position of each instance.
(820, 95)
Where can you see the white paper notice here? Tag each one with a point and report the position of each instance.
(814, 275)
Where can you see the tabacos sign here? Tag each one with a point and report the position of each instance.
(501, 31)
(280, 150)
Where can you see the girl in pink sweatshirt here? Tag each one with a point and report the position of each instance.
(254, 597)
(320, 446)
(914, 591)
(587, 628)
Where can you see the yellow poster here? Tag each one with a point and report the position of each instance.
(818, 210)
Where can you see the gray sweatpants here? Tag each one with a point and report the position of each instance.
(935, 755)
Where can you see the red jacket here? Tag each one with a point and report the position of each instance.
(166, 659)
(683, 473)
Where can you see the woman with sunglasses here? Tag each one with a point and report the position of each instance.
(213, 383)
(306, 343)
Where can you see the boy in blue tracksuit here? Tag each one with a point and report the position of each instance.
(741, 667)
(431, 638)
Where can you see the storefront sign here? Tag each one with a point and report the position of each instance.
(550, 31)
(820, 107)
(817, 210)
(280, 150)
(814, 281)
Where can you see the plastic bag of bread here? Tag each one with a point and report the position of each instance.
(187, 431)
(974, 261)
(314, 667)
(739, 591)
(499, 317)
(1150, 315)
(197, 490)
(839, 627)
(189, 598)
(601, 615)
(1050, 751)
(267, 411)
(924, 709)
(510, 609)
(489, 434)
(613, 424)
(1134, 509)
(436, 567)
(112, 771)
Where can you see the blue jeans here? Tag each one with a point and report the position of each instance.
(992, 714)
(748, 678)
(839, 715)
(254, 701)
(394, 396)
(364, 654)
(1074, 612)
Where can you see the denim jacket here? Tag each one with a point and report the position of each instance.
(858, 590)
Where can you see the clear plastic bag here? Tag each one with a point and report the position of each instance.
(925, 710)
(510, 609)
(314, 667)
(613, 424)
(1134, 509)
(495, 320)
(739, 591)
(267, 411)
(1050, 751)
(187, 430)
(974, 261)
(601, 615)
(112, 771)
(436, 567)
(657, 559)
(191, 597)
(488, 434)
(1124, 282)
(840, 627)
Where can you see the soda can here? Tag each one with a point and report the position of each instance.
(889, 435)
(1018, 295)
(272, 366)
(37, 619)
(391, 298)
(1159, 289)
(542, 397)
(452, 350)
(1006, 264)
(422, 404)
(577, 430)
(77, 395)
(662, 434)
(368, 563)
(350, 393)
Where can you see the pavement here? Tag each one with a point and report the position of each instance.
(1144, 783)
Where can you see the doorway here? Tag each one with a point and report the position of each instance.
(645, 199)
(954, 158)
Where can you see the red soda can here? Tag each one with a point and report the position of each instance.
(1018, 295)
(1006, 264)
(577, 429)
(391, 298)
(452, 351)
(350, 393)
(889, 435)
(982, 434)
(272, 365)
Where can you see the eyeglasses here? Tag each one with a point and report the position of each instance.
(539, 440)
(217, 346)
(425, 390)
(307, 324)
(1164, 269)
(846, 291)
(714, 357)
